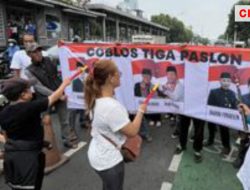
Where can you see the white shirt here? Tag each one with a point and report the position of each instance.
(109, 118)
(244, 172)
(21, 61)
(177, 94)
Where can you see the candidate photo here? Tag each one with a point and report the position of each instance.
(173, 88)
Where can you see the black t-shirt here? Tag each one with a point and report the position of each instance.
(22, 121)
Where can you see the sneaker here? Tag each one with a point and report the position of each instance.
(158, 124)
(179, 149)
(175, 134)
(147, 138)
(237, 163)
(166, 116)
(197, 157)
(225, 152)
(191, 139)
(238, 140)
(172, 122)
(208, 143)
(72, 145)
(73, 136)
(151, 123)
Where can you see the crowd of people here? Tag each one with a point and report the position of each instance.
(37, 91)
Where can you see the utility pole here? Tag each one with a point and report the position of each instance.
(235, 34)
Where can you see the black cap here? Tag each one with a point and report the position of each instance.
(171, 69)
(225, 75)
(13, 88)
(146, 72)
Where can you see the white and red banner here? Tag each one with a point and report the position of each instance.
(187, 76)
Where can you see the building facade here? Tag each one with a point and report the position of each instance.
(51, 20)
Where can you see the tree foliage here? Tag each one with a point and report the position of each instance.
(70, 2)
(242, 28)
(178, 32)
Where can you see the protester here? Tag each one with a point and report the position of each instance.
(244, 171)
(198, 136)
(12, 49)
(24, 160)
(111, 119)
(225, 98)
(21, 60)
(44, 72)
(244, 140)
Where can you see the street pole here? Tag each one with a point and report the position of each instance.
(235, 34)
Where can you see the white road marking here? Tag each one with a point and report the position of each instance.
(70, 152)
(1, 165)
(174, 165)
(166, 186)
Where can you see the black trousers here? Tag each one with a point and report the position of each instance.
(113, 178)
(224, 134)
(153, 117)
(184, 123)
(24, 169)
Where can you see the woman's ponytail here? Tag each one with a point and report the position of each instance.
(102, 69)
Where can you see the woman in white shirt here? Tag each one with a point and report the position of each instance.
(109, 119)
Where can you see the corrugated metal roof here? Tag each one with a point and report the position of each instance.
(125, 14)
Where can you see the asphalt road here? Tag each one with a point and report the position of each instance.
(147, 173)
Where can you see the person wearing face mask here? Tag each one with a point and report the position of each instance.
(44, 72)
(12, 49)
(21, 60)
(225, 98)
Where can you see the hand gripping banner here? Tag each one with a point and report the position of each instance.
(198, 81)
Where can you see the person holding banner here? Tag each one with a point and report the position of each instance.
(110, 119)
(244, 171)
(225, 98)
(20, 120)
(184, 124)
(244, 141)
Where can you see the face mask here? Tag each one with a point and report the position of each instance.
(11, 44)
(28, 44)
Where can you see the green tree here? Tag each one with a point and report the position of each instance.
(242, 28)
(178, 32)
(70, 2)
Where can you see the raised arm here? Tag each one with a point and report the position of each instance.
(56, 95)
